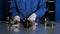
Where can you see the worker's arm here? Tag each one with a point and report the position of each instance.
(42, 8)
(40, 12)
(13, 9)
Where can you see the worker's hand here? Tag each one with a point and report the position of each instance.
(32, 17)
(17, 18)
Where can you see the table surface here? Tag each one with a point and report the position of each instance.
(19, 29)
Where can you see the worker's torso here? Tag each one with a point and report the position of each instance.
(27, 7)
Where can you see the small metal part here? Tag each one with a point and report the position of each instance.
(27, 23)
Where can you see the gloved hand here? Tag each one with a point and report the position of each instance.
(32, 17)
(17, 18)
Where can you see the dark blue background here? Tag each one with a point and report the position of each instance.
(3, 9)
(57, 9)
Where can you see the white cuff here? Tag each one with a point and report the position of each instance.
(32, 17)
